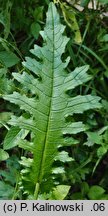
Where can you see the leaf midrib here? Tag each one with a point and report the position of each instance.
(40, 176)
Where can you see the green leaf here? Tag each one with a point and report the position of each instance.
(60, 192)
(6, 191)
(48, 104)
(26, 145)
(35, 29)
(70, 18)
(3, 72)
(5, 19)
(93, 138)
(13, 137)
(96, 192)
(58, 170)
(84, 188)
(38, 13)
(3, 155)
(4, 118)
(102, 151)
(8, 59)
(105, 38)
(26, 161)
(11, 173)
(63, 157)
(6, 86)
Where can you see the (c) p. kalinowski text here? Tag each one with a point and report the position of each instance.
(51, 207)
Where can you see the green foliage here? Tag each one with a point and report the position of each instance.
(94, 192)
(4, 118)
(70, 18)
(9, 179)
(14, 137)
(49, 107)
(3, 155)
(8, 59)
(85, 2)
(5, 191)
(60, 192)
(103, 1)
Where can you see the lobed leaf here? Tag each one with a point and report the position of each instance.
(49, 105)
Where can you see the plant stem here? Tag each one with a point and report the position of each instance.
(36, 191)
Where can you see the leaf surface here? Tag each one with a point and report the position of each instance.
(50, 104)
